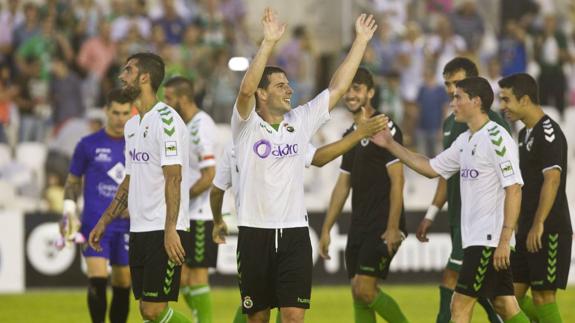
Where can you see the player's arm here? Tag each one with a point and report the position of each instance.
(118, 205)
(203, 183)
(273, 30)
(437, 203)
(415, 161)
(220, 228)
(336, 203)
(551, 182)
(365, 26)
(511, 214)
(366, 127)
(172, 243)
(392, 234)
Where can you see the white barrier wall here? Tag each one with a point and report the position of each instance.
(12, 273)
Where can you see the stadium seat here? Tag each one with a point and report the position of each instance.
(33, 155)
(5, 155)
(8, 195)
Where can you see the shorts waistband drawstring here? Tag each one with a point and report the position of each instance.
(276, 237)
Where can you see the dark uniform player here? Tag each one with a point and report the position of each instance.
(544, 233)
(377, 222)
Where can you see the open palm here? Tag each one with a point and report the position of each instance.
(365, 26)
(273, 28)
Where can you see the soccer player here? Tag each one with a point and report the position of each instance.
(486, 158)
(228, 173)
(274, 248)
(448, 190)
(544, 235)
(377, 220)
(155, 191)
(179, 93)
(98, 162)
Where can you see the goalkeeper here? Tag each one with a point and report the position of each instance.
(99, 162)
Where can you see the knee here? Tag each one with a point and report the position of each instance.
(499, 305)
(543, 297)
(292, 316)
(364, 293)
(150, 312)
(449, 278)
(262, 316)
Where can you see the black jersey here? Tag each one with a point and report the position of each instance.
(540, 149)
(367, 165)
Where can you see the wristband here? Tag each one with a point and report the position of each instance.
(69, 207)
(431, 212)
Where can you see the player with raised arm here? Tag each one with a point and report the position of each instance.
(179, 94)
(98, 163)
(377, 220)
(544, 234)
(155, 191)
(274, 248)
(448, 190)
(486, 158)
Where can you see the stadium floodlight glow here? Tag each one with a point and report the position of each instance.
(238, 64)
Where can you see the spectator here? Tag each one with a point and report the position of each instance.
(386, 47)
(129, 20)
(514, 47)
(222, 88)
(172, 24)
(432, 102)
(28, 28)
(493, 75)
(32, 102)
(444, 45)
(212, 20)
(7, 94)
(88, 12)
(390, 102)
(467, 23)
(411, 61)
(551, 53)
(10, 18)
(65, 93)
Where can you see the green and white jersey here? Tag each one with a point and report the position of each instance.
(487, 161)
(271, 164)
(203, 135)
(451, 130)
(156, 140)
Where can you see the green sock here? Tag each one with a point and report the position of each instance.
(387, 308)
(444, 315)
(548, 313)
(188, 297)
(278, 316)
(362, 313)
(240, 317)
(168, 315)
(201, 303)
(488, 307)
(519, 318)
(527, 306)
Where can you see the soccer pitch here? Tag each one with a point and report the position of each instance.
(329, 304)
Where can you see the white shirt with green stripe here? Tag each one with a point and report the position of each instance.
(203, 136)
(487, 162)
(158, 139)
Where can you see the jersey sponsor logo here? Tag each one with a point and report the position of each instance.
(103, 155)
(170, 148)
(139, 156)
(107, 190)
(117, 173)
(263, 148)
(506, 169)
(469, 173)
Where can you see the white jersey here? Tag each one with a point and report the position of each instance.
(158, 139)
(271, 164)
(203, 135)
(487, 162)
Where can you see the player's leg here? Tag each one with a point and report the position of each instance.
(120, 279)
(450, 276)
(361, 310)
(293, 267)
(509, 310)
(462, 308)
(521, 280)
(97, 283)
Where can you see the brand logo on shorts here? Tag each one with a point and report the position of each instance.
(139, 156)
(248, 302)
(469, 173)
(151, 294)
(303, 300)
(263, 148)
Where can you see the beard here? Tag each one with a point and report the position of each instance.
(131, 92)
(362, 103)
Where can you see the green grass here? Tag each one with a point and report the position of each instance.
(329, 304)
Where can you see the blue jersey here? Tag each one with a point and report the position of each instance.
(99, 158)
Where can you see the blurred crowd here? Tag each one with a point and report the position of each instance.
(59, 58)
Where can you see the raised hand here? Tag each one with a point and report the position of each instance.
(273, 28)
(365, 26)
(369, 126)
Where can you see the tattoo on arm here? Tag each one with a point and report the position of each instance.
(72, 188)
(119, 203)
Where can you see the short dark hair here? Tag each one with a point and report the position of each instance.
(521, 84)
(269, 70)
(461, 64)
(363, 76)
(182, 86)
(116, 95)
(477, 87)
(152, 64)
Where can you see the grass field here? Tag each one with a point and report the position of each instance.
(329, 304)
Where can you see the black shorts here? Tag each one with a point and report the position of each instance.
(547, 269)
(478, 277)
(154, 277)
(274, 268)
(366, 254)
(204, 250)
